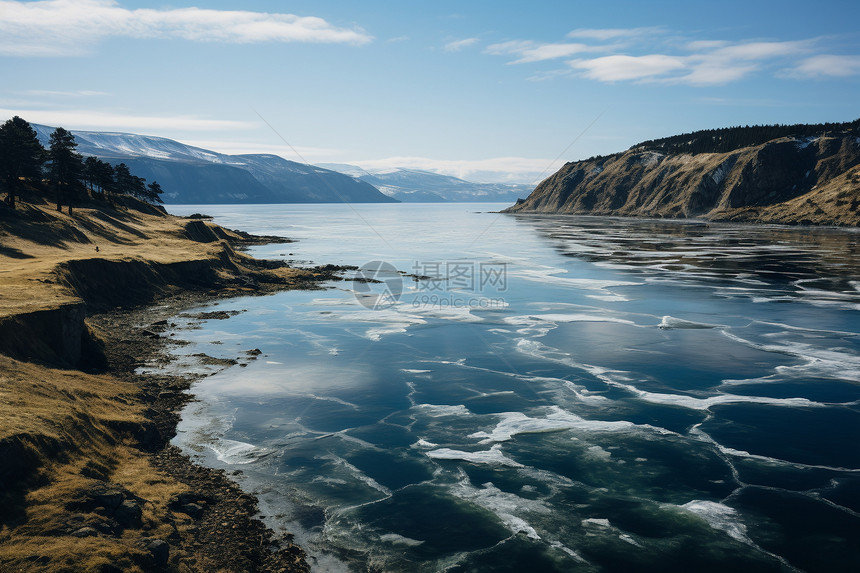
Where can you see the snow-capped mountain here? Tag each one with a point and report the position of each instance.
(415, 185)
(191, 174)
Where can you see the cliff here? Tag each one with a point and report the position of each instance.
(791, 180)
(88, 481)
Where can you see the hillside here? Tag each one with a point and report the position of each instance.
(192, 175)
(418, 186)
(795, 178)
(88, 481)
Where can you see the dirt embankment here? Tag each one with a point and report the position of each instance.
(788, 181)
(88, 481)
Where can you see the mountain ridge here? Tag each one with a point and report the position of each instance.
(192, 174)
(790, 179)
(418, 185)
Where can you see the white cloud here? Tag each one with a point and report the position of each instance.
(492, 170)
(827, 65)
(632, 56)
(611, 33)
(511, 47)
(760, 50)
(550, 75)
(61, 93)
(699, 45)
(620, 67)
(731, 62)
(550, 52)
(99, 120)
(233, 147)
(710, 73)
(530, 52)
(72, 27)
(458, 45)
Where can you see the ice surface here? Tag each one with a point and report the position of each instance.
(672, 322)
(720, 517)
(513, 423)
(492, 456)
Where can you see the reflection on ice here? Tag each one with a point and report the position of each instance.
(720, 517)
(819, 362)
(550, 276)
(513, 423)
(233, 452)
(508, 507)
(492, 456)
(672, 322)
(599, 417)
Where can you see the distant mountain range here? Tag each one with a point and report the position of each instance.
(417, 186)
(796, 174)
(192, 175)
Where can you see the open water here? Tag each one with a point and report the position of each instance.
(543, 393)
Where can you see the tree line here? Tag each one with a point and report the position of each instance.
(23, 159)
(732, 138)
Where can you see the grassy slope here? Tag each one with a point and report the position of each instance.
(64, 426)
(66, 433)
(755, 184)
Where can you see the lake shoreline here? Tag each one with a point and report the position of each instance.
(90, 479)
(556, 425)
(227, 529)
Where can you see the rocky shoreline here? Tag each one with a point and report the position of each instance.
(225, 530)
(88, 478)
(811, 181)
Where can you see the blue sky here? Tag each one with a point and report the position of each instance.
(487, 90)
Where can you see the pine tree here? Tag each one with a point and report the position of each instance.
(66, 166)
(21, 156)
(124, 179)
(154, 192)
(90, 173)
(105, 177)
(138, 187)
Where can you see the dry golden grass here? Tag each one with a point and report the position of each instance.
(35, 240)
(768, 183)
(65, 425)
(65, 431)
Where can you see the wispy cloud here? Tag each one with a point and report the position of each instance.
(711, 72)
(655, 56)
(827, 65)
(73, 27)
(620, 68)
(457, 45)
(699, 45)
(529, 52)
(511, 47)
(603, 34)
(717, 63)
(97, 120)
(60, 93)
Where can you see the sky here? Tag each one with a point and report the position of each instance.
(486, 90)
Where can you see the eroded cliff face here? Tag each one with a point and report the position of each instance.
(808, 181)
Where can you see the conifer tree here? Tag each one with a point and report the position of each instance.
(90, 172)
(154, 192)
(105, 177)
(21, 156)
(123, 179)
(66, 166)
